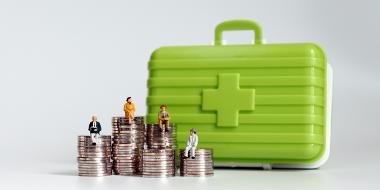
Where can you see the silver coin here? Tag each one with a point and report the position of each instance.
(91, 159)
(81, 163)
(198, 175)
(89, 145)
(94, 175)
(97, 169)
(94, 150)
(94, 172)
(155, 174)
(100, 138)
(89, 137)
(94, 155)
(109, 150)
(158, 164)
(158, 151)
(158, 170)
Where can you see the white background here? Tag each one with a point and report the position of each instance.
(62, 61)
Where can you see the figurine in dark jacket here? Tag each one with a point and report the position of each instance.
(94, 127)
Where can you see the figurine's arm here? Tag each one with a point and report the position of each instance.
(196, 141)
(188, 141)
(133, 107)
(125, 107)
(99, 128)
(133, 110)
(89, 126)
(167, 116)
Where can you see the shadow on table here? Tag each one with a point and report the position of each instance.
(261, 169)
(65, 173)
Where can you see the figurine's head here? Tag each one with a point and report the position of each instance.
(193, 131)
(94, 118)
(163, 107)
(129, 99)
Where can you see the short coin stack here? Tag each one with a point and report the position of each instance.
(128, 142)
(94, 160)
(202, 165)
(158, 163)
(158, 138)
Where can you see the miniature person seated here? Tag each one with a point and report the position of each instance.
(192, 143)
(163, 117)
(94, 127)
(129, 109)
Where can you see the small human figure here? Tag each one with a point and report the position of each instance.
(129, 109)
(94, 127)
(163, 117)
(192, 143)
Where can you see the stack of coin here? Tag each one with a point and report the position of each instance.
(158, 163)
(157, 138)
(202, 165)
(115, 122)
(128, 142)
(94, 160)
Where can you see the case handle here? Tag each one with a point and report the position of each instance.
(232, 25)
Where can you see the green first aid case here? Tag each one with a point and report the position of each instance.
(255, 105)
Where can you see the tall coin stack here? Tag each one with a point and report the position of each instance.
(202, 165)
(158, 163)
(159, 157)
(128, 142)
(158, 138)
(94, 160)
(115, 121)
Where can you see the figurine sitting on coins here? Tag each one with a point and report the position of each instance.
(94, 127)
(129, 109)
(192, 143)
(163, 118)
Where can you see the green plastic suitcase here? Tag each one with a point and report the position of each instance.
(255, 105)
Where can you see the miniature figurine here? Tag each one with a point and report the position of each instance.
(94, 127)
(129, 109)
(163, 117)
(192, 143)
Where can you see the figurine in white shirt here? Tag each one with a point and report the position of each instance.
(192, 143)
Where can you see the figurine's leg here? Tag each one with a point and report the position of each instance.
(193, 152)
(160, 124)
(186, 153)
(127, 116)
(130, 117)
(97, 137)
(166, 122)
(93, 140)
(167, 125)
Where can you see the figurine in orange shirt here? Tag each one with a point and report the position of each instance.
(129, 109)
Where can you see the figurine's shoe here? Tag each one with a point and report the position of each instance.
(193, 157)
(93, 143)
